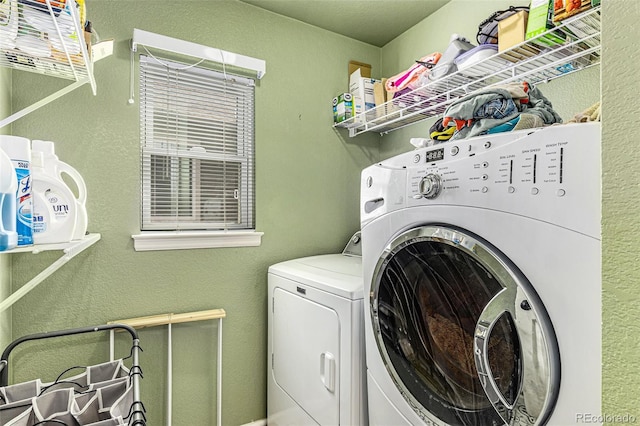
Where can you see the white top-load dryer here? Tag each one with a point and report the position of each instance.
(316, 372)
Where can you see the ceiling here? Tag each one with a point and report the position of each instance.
(376, 22)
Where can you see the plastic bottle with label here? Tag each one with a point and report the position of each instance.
(60, 169)
(54, 208)
(19, 151)
(8, 188)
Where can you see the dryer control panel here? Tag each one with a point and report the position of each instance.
(551, 173)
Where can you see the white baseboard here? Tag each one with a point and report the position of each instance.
(262, 422)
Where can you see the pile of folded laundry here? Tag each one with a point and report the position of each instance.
(500, 108)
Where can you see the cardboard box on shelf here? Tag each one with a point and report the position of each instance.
(361, 89)
(511, 31)
(382, 99)
(520, 53)
(102, 49)
(343, 108)
(365, 69)
(379, 92)
(562, 9)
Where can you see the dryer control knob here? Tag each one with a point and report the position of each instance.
(431, 185)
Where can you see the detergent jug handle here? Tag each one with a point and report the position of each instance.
(77, 179)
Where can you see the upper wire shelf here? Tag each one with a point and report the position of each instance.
(45, 37)
(537, 60)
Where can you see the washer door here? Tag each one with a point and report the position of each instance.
(462, 332)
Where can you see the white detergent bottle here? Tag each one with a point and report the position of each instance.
(60, 169)
(54, 208)
(8, 188)
(19, 151)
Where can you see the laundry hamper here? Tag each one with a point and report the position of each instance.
(106, 394)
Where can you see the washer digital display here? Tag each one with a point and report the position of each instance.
(435, 155)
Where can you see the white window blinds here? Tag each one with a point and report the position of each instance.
(197, 137)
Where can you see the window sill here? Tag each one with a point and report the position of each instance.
(182, 240)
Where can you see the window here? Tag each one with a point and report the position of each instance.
(196, 134)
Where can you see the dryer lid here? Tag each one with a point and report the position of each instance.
(334, 273)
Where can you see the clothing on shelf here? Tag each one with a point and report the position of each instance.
(439, 133)
(485, 109)
(590, 114)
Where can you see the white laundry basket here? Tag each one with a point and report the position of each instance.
(97, 395)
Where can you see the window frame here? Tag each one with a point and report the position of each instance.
(156, 234)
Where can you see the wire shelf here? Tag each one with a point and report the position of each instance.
(45, 37)
(538, 60)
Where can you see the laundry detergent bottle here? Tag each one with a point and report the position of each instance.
(62, 170)
(8, 188)
(19, 151)
(54, 207)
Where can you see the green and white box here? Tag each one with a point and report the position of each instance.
(343, 108)
(540, 20)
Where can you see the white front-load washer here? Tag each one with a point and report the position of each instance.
(481, 262)
(316, 372)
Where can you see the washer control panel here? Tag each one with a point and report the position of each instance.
(528, 163)
(550, 174)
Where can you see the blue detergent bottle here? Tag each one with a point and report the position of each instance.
(18, 149)
(8, 189)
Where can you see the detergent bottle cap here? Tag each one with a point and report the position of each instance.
(46, 147)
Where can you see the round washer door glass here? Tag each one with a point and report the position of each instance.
(461, 331)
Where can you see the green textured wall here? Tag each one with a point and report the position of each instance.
(5, 261)
(620, 219)
(307, 184)
(5, 290)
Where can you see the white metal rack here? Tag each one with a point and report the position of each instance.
(537, 60)
(44, 37)
(168, 320)
(70, 250)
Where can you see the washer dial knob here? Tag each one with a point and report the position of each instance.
(430, 185)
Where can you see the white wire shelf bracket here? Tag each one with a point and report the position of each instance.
(44, 38)
(538, 60)
(70, 250)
